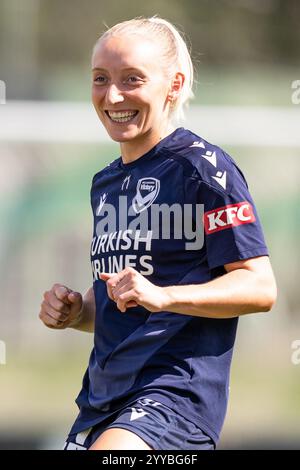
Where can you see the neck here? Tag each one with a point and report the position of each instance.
(136, 148)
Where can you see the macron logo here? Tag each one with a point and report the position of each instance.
(101, 203)
(137, 413)
(228, 216)
(198, 144)
(220, 178)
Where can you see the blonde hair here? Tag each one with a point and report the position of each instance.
(174, 52)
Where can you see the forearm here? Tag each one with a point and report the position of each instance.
(86, 318)
(235, 293)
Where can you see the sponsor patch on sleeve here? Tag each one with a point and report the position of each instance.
(229, 216)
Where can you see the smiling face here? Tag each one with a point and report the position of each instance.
(130, 92)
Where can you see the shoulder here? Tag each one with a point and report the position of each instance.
(206, 162)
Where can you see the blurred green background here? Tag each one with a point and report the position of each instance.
(247, 54)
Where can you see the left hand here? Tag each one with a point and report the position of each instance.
(129, 288)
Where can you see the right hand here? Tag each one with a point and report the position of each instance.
(61, 307)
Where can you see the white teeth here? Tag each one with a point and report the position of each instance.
(122, 116)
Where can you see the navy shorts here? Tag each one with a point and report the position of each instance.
(155, 423)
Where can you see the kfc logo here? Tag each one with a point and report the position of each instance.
(228, 216)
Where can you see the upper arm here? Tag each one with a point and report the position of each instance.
(259, 264)
(262, 268)
(264, 278)
(232, 228)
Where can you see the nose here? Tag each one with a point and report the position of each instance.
(114, 95)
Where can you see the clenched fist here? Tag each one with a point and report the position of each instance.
(61, 307)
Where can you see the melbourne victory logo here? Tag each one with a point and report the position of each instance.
(147, 190)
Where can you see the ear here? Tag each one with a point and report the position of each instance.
(176, 86)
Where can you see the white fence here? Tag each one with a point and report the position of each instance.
(30, 121)
(2, 352)
(2, 92)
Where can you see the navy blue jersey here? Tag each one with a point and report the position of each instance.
(182, 361)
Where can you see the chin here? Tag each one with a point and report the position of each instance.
(122, 136)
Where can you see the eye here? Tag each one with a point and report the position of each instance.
(100, 80)
(134, 79)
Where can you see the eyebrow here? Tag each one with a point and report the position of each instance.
(123, 70)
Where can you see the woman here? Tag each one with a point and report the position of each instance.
(166, 294)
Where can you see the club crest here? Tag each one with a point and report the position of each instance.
(147, 190)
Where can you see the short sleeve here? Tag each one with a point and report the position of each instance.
(232, 228)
